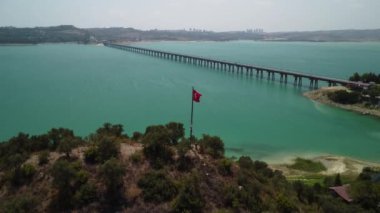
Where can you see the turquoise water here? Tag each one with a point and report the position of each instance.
(81, 87)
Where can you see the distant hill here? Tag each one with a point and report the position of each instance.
(321, 36)
(69, 33)
(57, 34)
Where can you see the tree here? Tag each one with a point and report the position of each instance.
(106, 149)
(190, 198)
(110, 130)
(57, 135)
(337, 181)
(212, 145)
(157, 146)
(63, 174)
(22, 175)
(355, 77)
(176, 131)
(66, 145)
(157, 187)
(245, 162)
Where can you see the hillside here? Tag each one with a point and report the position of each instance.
(155, 171)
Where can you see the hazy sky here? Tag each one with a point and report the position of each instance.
(218, 15)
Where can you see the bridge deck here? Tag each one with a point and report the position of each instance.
(246, 66)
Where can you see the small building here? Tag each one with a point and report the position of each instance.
(342, 191)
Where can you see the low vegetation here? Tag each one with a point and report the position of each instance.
(159, 171)
(307, 165)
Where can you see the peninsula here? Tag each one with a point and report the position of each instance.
(365, 101)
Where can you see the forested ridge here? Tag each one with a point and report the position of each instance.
(159, 170)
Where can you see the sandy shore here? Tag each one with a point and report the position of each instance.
(333, 164)
(320, 95)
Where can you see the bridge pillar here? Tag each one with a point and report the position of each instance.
(299, 81)
(316, 84)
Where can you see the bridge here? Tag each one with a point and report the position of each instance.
(240, 68)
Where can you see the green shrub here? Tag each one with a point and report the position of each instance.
(136, 157)
(22, 175)
(307, 165)
(374, 92)
(160, 130)
(112, 173)
(189, 198)
(212, 145)
(64, 175)
(107, 149)
(43, 157)
(56, 136)
(262, 169)
(85, 195)
(67, 144)
(245, 162)
(157, 146)
(157, 187)
(224, 167)
(111, 130)
(184, 162)
(176, 131)
(344, 97)
(28, 171)
(285, 205)
(20, 204)
(91, 154)
(82, 177)
(243, 198)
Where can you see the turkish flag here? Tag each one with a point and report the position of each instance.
(196, 96)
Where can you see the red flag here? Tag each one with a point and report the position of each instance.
(196, 96)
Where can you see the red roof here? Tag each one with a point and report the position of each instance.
(342, 192)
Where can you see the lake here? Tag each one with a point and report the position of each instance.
(83, 86)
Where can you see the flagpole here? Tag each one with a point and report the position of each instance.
(192, 110)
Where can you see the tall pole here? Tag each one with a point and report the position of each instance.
(192, 110)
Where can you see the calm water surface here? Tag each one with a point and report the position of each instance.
(81, 87)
